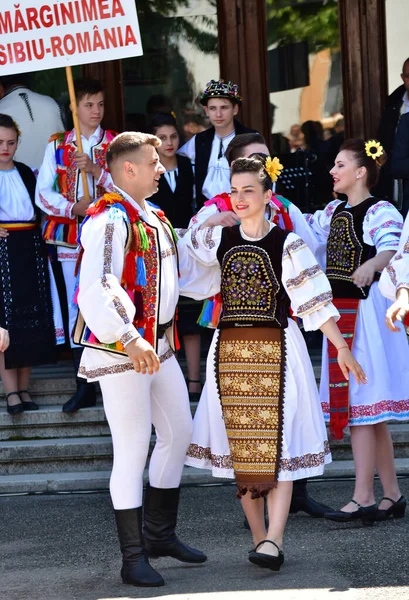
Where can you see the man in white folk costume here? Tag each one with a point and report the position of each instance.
(128, 293)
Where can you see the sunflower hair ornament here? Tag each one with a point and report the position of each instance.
(373, 149)
(273, 168)
(17, 129)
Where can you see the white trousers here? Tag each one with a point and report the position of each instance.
(132, 403)
(68, 269)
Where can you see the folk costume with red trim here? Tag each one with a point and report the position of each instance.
(140, 276)
(63, 230)
(353, 235)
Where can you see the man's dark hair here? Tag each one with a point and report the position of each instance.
(404, 64)
(84, 86)
(235, 149)
(126, 143)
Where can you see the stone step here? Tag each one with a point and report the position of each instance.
(24, 457)
(33, 456)
(51, 422)
(89, 481)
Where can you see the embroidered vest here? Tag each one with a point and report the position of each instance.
(141, 273)
(252, 291)
(346, 249)
(59, 230)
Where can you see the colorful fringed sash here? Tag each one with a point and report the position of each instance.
(338, 386)
(61, 230)
(139, 276)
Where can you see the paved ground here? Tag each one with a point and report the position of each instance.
(64, 547)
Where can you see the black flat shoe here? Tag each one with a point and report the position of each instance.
(308, 505)
(267, 561)
(365, 513)
(396, 510)
(15, 409)
(31, 405)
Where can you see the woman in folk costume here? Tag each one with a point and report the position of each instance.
(29, 307)
(287, 216)
(362, 235)
(262, 413)
(175, 198)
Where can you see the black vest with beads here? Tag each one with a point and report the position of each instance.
(346, 249)
(251, 271)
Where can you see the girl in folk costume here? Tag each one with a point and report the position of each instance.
(286, 215)
(175, 198)
(29, 307)
(362, 234)
(262, 421)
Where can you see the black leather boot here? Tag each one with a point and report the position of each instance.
(160, 517)
(85, 396)
(301, 501)
(136, 569)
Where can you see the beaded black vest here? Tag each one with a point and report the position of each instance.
(252, 291)
(346, 249)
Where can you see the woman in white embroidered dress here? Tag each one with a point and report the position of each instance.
(29, 306)
(304, 448)
(384, 356)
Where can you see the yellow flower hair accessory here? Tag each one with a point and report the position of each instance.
(172, 112)
(17, 129)
(373, 149)
(273, 168)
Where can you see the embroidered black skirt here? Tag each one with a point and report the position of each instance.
(26, 309)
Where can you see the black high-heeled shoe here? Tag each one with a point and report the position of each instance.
(30, 405)
(396, 510)
(14, 409)
(267, 561)
(365, 513)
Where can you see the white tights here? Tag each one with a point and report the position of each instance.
(132, 402)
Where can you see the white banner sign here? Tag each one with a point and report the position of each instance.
(37, 35)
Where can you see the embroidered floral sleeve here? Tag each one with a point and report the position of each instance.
(198, 279)
(50, 201)
(306, 284)
(105, 181)
(396, 274)
(320, 221)
(202, 244)
(106, 307)
(382, 226)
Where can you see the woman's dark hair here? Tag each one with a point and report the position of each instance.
(357, 148)
(8, 123)
(254, 164)
(161, 119)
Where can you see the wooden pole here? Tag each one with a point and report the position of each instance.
(73, 103)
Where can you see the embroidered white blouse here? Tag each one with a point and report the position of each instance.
(304, 281)
(382, 225)
(396, 274)
(15, 202)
